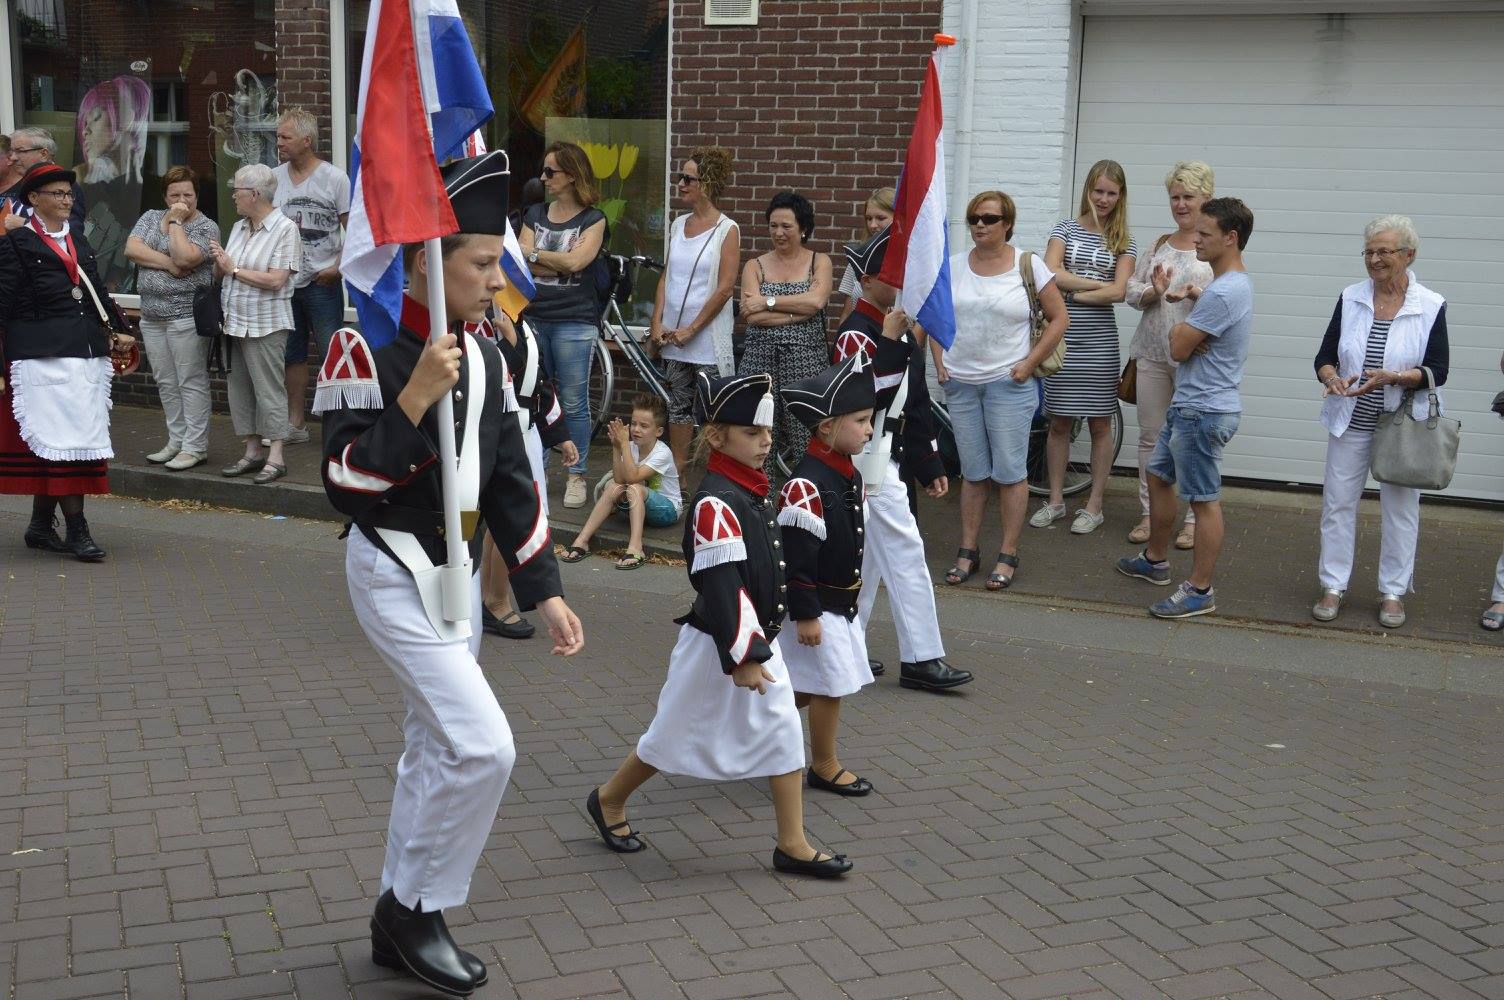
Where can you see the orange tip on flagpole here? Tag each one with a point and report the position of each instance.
(944, 40)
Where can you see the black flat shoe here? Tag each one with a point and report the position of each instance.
(856, 789)
(932, 675)
(388, 959)
(621, 843)
(422, 945)
(876, 666)
(513, 626)
(820, 866)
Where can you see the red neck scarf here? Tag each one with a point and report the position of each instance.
(70, 259)
(837, 461)
(754, 480)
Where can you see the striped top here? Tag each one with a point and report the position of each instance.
(1088, 384)
(1366, 411)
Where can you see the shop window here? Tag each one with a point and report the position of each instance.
(129, 88)
(588, 71)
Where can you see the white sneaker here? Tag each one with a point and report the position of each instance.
(1047, 515)
(296, 435)
(1086, 522)
(574, 491)
(185, 460)
(166, 454)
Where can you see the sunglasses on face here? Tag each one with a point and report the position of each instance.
(685, 179)
(549, 172)
(983, 220)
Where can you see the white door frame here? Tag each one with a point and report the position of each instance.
(13, 72)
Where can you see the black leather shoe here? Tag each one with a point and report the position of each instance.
(42, 534)
(514, 626)
(621, 843)
(821, 866)
(388, 959)
(79, 543)
(876, 666)
(932, 675)
(422, 945)
(856, 789)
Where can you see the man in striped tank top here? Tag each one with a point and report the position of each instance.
(1212, 348)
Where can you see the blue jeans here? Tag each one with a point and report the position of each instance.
(568, 351)
(991, 423)
(317, 310)
(1189, 452)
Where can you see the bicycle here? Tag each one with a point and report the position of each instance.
(614, 330)
(1078, 463)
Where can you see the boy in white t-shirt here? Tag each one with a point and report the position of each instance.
(645, 489)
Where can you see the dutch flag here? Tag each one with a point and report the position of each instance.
(422, 96)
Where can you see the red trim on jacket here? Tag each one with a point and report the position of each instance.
(743, 475)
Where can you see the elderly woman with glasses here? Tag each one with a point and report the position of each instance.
(257, 266)
(1385, 334)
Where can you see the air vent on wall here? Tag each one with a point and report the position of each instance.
(727, 12)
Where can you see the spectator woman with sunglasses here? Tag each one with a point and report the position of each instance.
(561, 240)
(988, 375)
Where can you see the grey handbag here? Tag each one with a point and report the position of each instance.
(1421, 454)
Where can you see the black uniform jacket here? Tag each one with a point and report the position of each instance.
(38, 313)
(915, 447)
(820, 510)
(734, 549)
(383, 472)
(543, 402)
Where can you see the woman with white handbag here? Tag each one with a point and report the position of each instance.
(1386, 335)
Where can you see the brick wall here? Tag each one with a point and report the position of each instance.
(303, 60)
(819, 97)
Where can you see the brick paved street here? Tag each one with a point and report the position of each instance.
(200, 748)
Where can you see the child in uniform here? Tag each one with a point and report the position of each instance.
(727, 709)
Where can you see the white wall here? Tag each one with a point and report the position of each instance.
(1024, 99)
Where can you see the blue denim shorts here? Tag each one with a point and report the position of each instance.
(317, 311)
(661, 511)
(1189, 452)
(991, 423)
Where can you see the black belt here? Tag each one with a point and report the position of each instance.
(838, 600)
(893, 425)
(769, 630)
(396, 517)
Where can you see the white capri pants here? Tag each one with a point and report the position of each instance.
(1346, 475)
(894, 556)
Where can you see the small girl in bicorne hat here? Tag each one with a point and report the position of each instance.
(727, 709)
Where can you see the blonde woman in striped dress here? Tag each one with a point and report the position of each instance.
(1092, 256)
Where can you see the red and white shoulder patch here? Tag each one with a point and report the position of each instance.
(717, 535)
(851, 342)
(800, 506)
(348, 376)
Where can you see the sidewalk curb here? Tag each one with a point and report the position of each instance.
(145, 482)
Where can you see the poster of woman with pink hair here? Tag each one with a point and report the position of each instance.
(112, 120)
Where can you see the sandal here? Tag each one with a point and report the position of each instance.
(574, 554)
(631, 560)
(1187, 537)
(1492, 621)
(997, 581)
(955, 576)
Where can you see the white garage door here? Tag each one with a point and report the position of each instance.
(1320, 123)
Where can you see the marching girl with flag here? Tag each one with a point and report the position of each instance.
(727, 709)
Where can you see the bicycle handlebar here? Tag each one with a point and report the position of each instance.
(638, 260)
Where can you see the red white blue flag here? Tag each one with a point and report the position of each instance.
(918, 256)
(422, 96)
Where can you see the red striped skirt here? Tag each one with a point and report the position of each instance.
(24, 474)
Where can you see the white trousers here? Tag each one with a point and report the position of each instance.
(1346, 475)
(458, 751)
(894, 556)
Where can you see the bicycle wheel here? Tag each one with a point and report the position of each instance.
(1078, 459)
(602, 387)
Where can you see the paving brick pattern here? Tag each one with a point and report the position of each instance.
(198, 768)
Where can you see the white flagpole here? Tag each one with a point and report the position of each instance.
(456, 575)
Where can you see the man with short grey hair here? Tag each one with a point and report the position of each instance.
(30, 146)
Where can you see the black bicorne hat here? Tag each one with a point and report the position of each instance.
(743, 400)
(842, 388)
(867, 257)
(477, 187)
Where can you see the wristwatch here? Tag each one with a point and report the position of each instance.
(174, 222)
(772, 303)
(532, 258)
(235, 271)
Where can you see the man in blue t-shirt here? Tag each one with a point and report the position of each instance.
(1212, 347)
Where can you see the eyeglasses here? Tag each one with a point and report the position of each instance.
(685, 179)
(549, 172)
(234, 189)
(17, 150)
(61, 195)
(983, 220)
(1384, 254)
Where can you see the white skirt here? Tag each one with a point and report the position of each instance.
(835, 668)
(707, 727)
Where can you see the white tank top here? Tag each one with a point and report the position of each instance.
(693, 268)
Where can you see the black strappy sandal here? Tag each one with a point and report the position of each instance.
(574, 554)
(997, 581)
(955, 576)
(622, 843)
